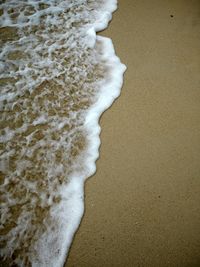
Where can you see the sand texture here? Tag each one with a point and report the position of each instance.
(142, 207)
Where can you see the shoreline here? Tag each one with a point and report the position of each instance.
(142, 205)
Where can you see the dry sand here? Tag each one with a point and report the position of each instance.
(143, 204)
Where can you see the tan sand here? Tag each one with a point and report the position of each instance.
(143, 204)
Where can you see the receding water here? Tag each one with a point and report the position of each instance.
(56, 79)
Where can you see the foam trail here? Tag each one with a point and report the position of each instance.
(74, 208)
(57, 78)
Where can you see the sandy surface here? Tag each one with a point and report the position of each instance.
(143, 204)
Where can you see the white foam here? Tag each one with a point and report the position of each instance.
(72, 206)
(52, 247)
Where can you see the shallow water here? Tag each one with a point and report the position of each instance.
(54, 77)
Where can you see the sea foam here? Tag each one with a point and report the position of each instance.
(58, 77)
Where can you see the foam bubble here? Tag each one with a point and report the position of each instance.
(57, 79)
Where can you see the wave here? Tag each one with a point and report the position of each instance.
(57, 78)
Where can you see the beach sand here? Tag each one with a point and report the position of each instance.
(142, 207)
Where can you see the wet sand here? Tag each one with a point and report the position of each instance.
(142, 207)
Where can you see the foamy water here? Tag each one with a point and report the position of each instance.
(57, 77)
